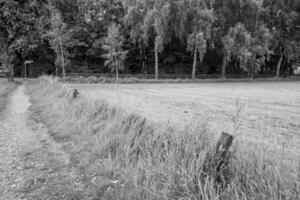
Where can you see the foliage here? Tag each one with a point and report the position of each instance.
(202, 20)
(260, 50)
(186, 30)
(58, 35)
(6, 61)
(156, 19)
(113, 43)
(237, 44)
(20, 23)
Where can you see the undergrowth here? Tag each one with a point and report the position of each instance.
(121, 155)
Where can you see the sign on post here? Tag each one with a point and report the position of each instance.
(27, 62)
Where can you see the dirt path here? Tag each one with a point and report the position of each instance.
(32, 166)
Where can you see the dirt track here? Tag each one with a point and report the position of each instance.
(32, 166)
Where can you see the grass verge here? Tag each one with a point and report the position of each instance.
(121, 155)
(6, 88)
(94, 79)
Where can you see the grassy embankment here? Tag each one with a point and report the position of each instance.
(5, 90)
(123, 156)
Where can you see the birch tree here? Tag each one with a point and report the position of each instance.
(156, 19)
(58, 35)
(237, 44)
(133, 20)
(113, 45)
(202, 20)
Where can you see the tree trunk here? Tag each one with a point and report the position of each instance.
(278, 66)
(156, 61)
(117, 70)
(11, 74)
(194, 64)
(252, 71)
(86, 63)
(142, 53)
(62, 59)
(224, 69)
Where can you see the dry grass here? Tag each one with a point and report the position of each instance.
(124, 156)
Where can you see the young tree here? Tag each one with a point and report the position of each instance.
(202, 21)
(58, 36)
(6, 60)
(197, 45)
(133, 20)
(260, 50)
(157, 17)
(237, 44)
(113, 43)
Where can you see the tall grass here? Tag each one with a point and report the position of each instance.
(120, 155)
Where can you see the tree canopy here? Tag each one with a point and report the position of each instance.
(244, 37)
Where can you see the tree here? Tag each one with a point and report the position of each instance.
(283, 19)
(197, 44)
(260, 50)
(58, 36)
(157, 17)
(18, 22)
(202, 21)
(133, 20)
(237, 44)
(113, 43)
(93, 20)
(6, 60)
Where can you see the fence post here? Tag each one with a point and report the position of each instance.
(216, 162)
(223, 145)
(75, 93)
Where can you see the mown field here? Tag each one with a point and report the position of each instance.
(263, 112)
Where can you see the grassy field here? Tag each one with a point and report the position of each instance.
(264, 112)
(156, 141)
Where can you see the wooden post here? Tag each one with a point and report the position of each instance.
(27, 62)
(223, 145)
(216, 162)
(75, 93)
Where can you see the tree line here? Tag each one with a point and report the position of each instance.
(249, 37)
